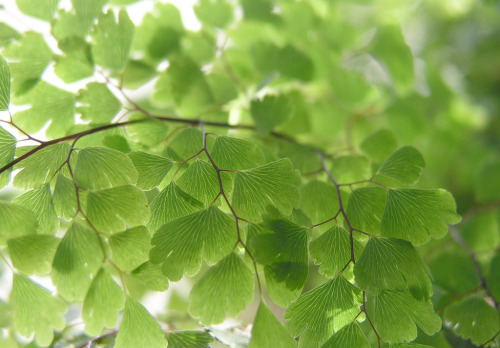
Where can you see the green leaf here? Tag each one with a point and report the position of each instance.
(396, 315)
(267, 331)
(318, 200)
(348, 169)
(130, 248)
(77, 260)
(40, 167)
(110, 210)
(64, 198)
(102, 303)
(112, 40)
(138, 328)
(7, 152)
(473, 319)
(4, 84)
(366, 208)
(151, 169)
(487, 186)
(149, 132)
(282, 248)
(494, 277)
(99, 167)
(30, 56)
(403, 166)
(318, 313)
(388, 263)
(76, 63)
(150, 275)
(332, 250)
(234, 153)
(48, 104)
(39, 9)
(186, 143)
(226, 288)
(77, 22)
(189, 339)
(170, 204)
(36, 311)
(40, 202)
(216, 13)
(294, 63)
(180, 243)
(186, 84)
(32, 254)
(349, 336)
(136, 73)
(272, 184)
(201, 182)
(379, 145)
(303, 157)
(7, 34)
(417, 215)
(271, 111)
(16, 220)
(99, 105)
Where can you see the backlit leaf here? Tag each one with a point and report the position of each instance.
(403, 166)
(77, 22)
(32, 254)
(234, 153)
(7, 152)
(366, 208)
(16, 220)
(99, 105)
(227, 287)
(349, 336)
(379, 145)
(76, 63)
(267, 331)
(189, 339)
(4, 84)
(150, 275)
(318, 200)
(39, 9)
(217, 13)
(130, 248)
(270, 111)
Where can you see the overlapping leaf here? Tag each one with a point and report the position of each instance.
(99, 105)
(40, 9)
(392, 264)
(272, 184)
(271, 111)
(365, 209)
(36, 311)
(179, 243)
(234, 153)
(267, 331)
(379, 145)
(396, 315)
(110, 210)
(150, 275)
(151, 169)
(103, 301)
(77, 22)
(332, 250)
(138, 328)
(7, 151)
(32, 254)
(189, 339)
(349, 336)
(4, 84)
(64, 198)
(130, 248)
(76, 63)
(16, 220)
(417, 215)
(403, 166)
(226, 288)
(317, 314)
(318, 200)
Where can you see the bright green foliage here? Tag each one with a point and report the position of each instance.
(180, 243)
(225, 288)
(417, 215)
(98, 168)
(130, 248)
(271, 111)
(16, 220)
(170, 204)
(103, 301)
(403, 166)
(349, 336)
(32, 254)
(322, 311)
(40, 202)
(4, 84)
(274, 147)
(109, 210)
(189, 339)
(39, 168)
(337, 239)
(138, 328)
(272, 184)
(392, 264)
(48, 103)
(151, 169)
(99, 104)
(112, 40)
(366, 208)
(267, 331)
(36, 311)
(234, 153)
(30, 56)
(396, 315)
(77, 259)
(473, 319)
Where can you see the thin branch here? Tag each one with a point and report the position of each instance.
(369, 320)
(98, 338)
(458, 296)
